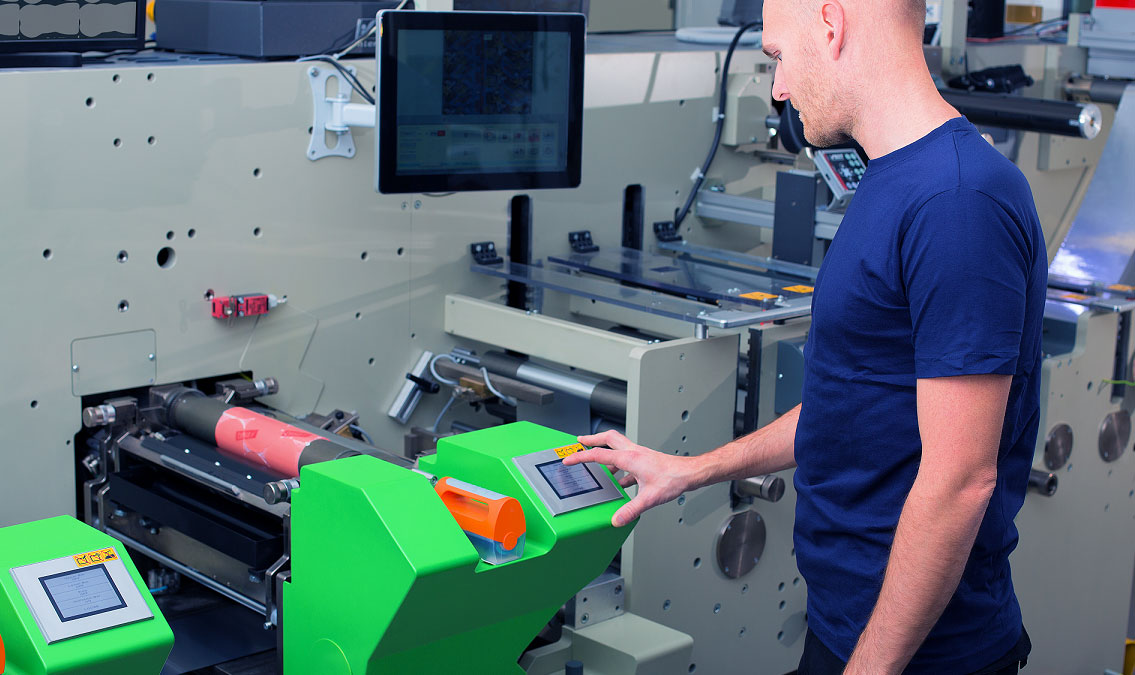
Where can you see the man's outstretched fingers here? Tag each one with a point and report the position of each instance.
(627, 513)
(627, 480)
(600, 455)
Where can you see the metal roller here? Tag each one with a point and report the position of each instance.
(1064, 118)
(1042, 482)
(608, 398)
(248, 435)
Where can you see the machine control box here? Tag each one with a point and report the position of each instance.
(79, 594)
(566, 488)
(841, 169)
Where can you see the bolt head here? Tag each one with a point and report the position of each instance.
(150, 357)
(313, 71)
(75, 368)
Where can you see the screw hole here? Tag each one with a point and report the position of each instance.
(665, 605)
(363, 256)
(170, 235)
(149, 77)
(123, 256)
(166, 257)
(256, 172)
(256, 231)
(115, 78)
(191, 233)
(151, 140)
(209, 294)
(47, 254)
(358, 315)
(35, 404)
(697, 562)
(717, 608)
(118, 142)
(123, 306)
(90, 102)
(685, 415)
(370, 361)
(401, 250)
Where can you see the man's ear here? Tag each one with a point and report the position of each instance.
(835, 25)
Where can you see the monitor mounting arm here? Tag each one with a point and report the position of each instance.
(335, 114)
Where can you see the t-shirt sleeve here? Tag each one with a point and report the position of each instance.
(965, 268)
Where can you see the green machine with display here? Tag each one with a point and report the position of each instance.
(74, 604)
(385, 580)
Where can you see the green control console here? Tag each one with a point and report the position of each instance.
(72, 602)
(385, 581)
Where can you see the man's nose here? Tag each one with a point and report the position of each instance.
(779, 90)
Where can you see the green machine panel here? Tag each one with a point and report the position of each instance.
(73, 603)
(385, 581)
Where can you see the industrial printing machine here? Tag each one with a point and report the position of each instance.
(257, 381)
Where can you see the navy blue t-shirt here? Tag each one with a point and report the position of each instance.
(938, 269)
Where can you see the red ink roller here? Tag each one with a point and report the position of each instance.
(251, 436)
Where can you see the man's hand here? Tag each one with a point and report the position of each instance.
(660, 477)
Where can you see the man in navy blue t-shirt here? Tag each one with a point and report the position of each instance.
(915, 437)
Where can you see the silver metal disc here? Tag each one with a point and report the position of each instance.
(1115, 432)
(1057, 446)
(740, 544)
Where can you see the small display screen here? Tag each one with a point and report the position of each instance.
(82, 592)
(568, 481)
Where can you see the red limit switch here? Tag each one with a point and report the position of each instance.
(252, 304)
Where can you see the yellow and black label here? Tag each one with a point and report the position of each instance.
(95, 557)
(799, 288)
(569, 450)
(1075, 297)
(758, 295)
(1121, 288)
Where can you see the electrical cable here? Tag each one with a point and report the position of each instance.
(440, 415)
(363, 434)
(433, 370)
(699, 176)
(507, 400)
(348, 75)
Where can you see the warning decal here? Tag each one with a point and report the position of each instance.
(95, 557)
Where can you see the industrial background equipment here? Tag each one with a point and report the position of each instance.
(305, 409)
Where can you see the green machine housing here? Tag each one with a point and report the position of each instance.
(136, 648)
(384, 581)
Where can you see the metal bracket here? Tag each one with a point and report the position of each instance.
(581, 242)
(485, 253)
(666, 231)
(335, 114)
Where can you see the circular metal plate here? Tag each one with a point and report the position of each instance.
(1115, 432)
(740, 544)
(1057, 446)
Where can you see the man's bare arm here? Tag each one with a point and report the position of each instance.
(662, 477)
(960, 420)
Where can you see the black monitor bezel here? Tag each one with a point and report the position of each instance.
(391, 22)
(80, 45)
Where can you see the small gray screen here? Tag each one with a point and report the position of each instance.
(82, 592)
(568, 481)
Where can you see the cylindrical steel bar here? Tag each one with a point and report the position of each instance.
(1064, 118)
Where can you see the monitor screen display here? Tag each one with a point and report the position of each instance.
(568, 481)
(479, 101)
(83, 592)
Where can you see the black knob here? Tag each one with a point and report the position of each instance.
(573, 668)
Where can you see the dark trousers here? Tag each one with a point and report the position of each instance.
(819, 660)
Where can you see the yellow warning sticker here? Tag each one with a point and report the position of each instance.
(1073, 296)
(758, 295)
(569, 450)
(799, 288)
(95, 557)
(1122, 288)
